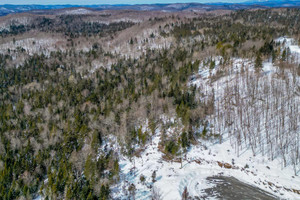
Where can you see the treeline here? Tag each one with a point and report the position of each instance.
(70, 25)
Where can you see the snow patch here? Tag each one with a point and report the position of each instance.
(79, 11)
(292, 45)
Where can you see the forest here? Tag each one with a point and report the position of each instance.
(64, 127)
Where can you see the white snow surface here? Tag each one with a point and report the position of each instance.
(199, 164)
(79, 11)
(292, 45)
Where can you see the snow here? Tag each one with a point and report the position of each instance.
(38, 198)
(248, 95)
(177, 6)
(249, 165)
(31, 45)
(199, 164)
(145, 8)
(205, 73)
(5, 25)
(110, 21)
(268, 68)
(292, 45)
(79, 11)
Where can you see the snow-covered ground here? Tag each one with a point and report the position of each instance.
(79, 11)
(292, 45)
(255, 164)
(31, 45)
(5, 25)
(200, 162)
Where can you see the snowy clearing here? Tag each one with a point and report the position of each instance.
(200, 163)
(79, 11)
(257, 150)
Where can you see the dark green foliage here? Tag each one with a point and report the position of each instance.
(104, 192)
(258, 61)
(96, 140)
(172, 147)
(284, 55)
(71, 25)
(267, 48)
(142, 178)
(212, 64)
(185, 140)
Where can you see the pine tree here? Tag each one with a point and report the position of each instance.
(258, 61)
(69, 193)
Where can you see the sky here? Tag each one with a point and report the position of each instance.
(102, 2)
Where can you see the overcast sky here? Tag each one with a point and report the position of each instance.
(90, 2)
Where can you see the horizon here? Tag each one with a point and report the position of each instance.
(112, 2)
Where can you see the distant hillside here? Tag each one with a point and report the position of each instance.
(274, 3)
(8, 9)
